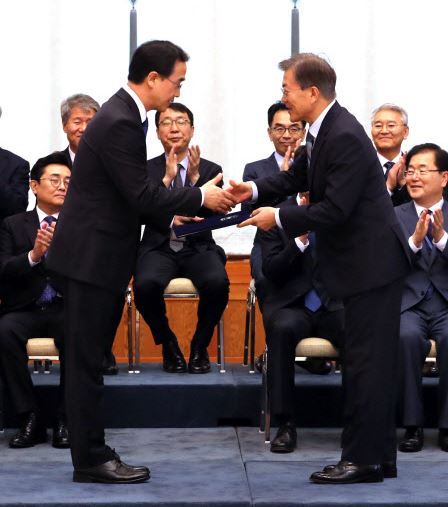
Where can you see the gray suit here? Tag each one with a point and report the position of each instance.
(423, 317)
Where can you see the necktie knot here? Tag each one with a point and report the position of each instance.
(388, 166)
(49, 219)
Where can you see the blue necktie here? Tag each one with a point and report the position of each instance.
(312, 299)
(429, 246)
(49, 293)
(145, 126)
(388, 166)
(176, 244)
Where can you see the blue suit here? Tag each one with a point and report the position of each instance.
(422, 318)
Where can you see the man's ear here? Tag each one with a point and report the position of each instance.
(33, 186)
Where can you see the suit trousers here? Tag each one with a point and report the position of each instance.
(91, 317)
(372, 321)
(418, 325)
(205, 268)
(283, 333)
(16, 328)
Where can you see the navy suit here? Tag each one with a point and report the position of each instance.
(423, 318)
(14, 183)
(20, 317)
(200, 259)
(352, 216)
(289, 277)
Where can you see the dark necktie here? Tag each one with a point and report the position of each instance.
(429, 246)
(309, 146)
(388, 166)
(176, 244)
(49, 293)
(312, 299)
(145, 126)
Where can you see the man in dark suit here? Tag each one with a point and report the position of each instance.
(352, 216)
(95, 245)
(162, 257)
(76, 113)
(286, 136)
(389, 129)
(30, 306)
(296, 306)
(424, 305)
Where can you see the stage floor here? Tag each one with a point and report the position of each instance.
(218, 466)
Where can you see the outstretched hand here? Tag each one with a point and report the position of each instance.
(240, 191)
(216, 198)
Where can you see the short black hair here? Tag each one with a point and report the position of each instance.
(57, 157)
(440, 155)
(180, 108)
(155, 56)
(279, 106)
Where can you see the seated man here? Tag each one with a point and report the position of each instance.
(424, 305)
(30, 305)
(286, 136)
(14, 182)
(76, 113)
(296, 306)
(162, 257)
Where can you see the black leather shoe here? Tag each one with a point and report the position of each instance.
(173, 359)
(443, 439)
(109, 364)
(346, 472)
(199, 361)
(316, 366)
(30, 433)
(286, 438)
(413, 440)
(112, 472)
(389, 468)
(60, 436)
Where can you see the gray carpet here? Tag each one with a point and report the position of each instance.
(218, 467)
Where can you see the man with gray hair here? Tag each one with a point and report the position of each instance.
(389, 129)
(76, 113)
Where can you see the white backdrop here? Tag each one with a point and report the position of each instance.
(382, 50)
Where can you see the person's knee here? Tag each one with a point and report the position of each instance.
(147, 288)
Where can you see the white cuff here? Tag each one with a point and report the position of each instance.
(300, 245)
(441, 244)
(32, 263)
(254, 192)
(414, 248)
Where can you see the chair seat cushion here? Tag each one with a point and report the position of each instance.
(180, 286)
(42, 347)
(316, 347)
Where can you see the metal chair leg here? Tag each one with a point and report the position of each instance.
(252, 334)
(130, 333)
(266, 408)
(47, 366)
(246, 331)
(137, 342)
(37, 366)
(221, 356)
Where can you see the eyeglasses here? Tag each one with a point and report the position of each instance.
(177, 84)
(56, 181)
(168, 122)
(294, 130)
(419, 172)
(389, 126)
(285, 92)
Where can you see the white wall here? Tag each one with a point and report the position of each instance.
(382, 50)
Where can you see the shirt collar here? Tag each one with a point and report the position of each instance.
(41, 214)
(383, 160)
(138, 102)
(72, 154)
(437, 205)
(315, 126)
(183, 163)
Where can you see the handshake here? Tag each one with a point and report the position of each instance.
(222, 200)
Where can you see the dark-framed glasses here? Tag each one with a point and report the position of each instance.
(294, 130)
(55, 181)
(168, 122)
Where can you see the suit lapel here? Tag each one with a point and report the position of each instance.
(31, 225)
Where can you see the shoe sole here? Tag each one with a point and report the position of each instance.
(79, 477)
(353, 481)
(37, 442)
(281, 450)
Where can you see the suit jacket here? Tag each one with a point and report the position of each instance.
(289, 272)
(66, 152)
(155, 238)
(109, 197)
(20, 284)
(14, 183)
(350, 211)
(428, 266)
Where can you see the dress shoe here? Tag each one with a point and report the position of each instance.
(199, 361)
(346, 472)
(286, 438)
(443, 439)
(30, 433)
(413, 440)
(173, 359)
(316, 366)
(389, 468)
(60, 436)
(112, 472)
(109, 364)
